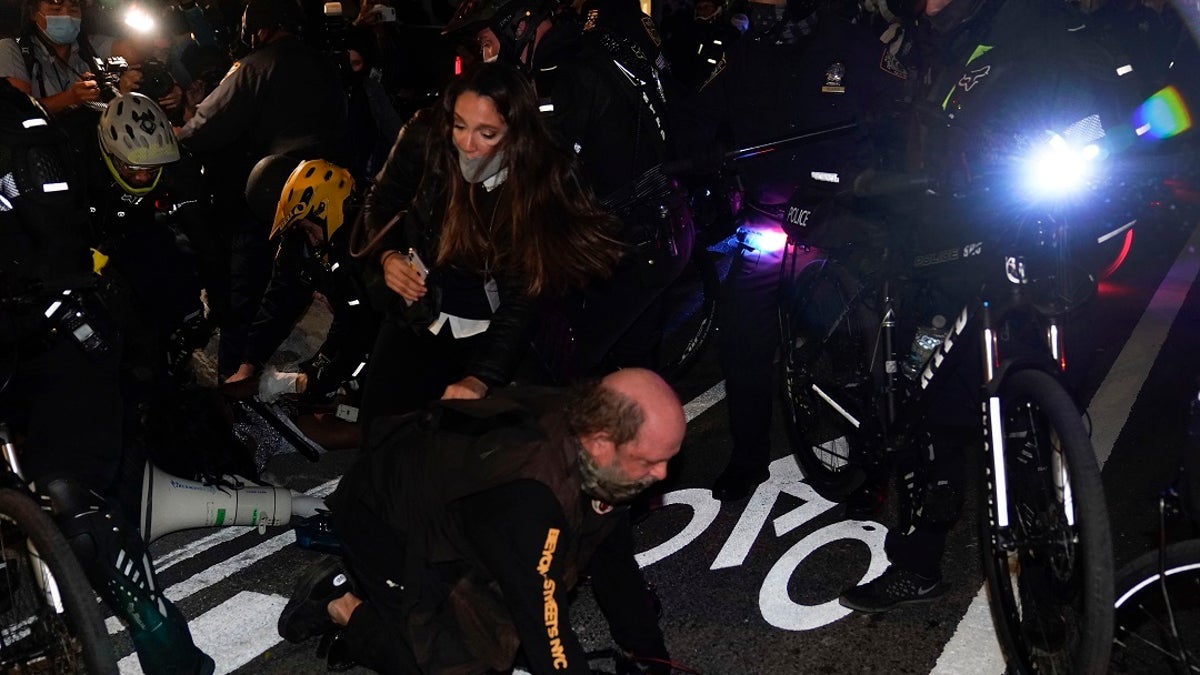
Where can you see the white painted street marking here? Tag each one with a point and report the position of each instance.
(1110, 407)
(233, 633)
(974, 648)
(704, 401)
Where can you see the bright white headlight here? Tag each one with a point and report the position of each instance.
(1058, 168)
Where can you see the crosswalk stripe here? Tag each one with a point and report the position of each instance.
(234, 632)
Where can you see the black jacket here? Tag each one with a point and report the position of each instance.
(486, 496)
(401, 188)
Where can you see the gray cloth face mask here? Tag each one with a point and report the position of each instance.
(481, 168)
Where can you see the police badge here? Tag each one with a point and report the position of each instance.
(834, 75)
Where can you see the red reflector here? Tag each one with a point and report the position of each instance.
(458, 65)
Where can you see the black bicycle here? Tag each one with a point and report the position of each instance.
(50, 621)
(1158, 594)
(856, 401)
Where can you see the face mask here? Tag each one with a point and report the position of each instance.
(481, 168)
(62, 30)
(492, 59)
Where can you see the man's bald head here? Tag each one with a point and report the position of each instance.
(661, 411)
(630, 424)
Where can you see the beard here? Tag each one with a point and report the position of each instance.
(606, 482)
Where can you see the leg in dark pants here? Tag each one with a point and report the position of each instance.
(747, 342)
(250, 271)
(409, 369)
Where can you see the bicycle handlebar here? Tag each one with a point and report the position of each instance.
(890, 183)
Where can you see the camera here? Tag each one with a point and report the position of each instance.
(108, 74)
(156, 79)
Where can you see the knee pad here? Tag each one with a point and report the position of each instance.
(115, 560)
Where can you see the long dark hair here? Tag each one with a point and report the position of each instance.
(550, 230)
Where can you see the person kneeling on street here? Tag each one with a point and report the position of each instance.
(465, 526)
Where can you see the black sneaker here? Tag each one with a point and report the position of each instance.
(305, 615)
(893, 588)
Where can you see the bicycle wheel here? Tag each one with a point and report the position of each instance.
(690, 313)
(827, 385)
(1148, 637)
(1050, 571)
(50, 621)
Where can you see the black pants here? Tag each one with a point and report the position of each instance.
(746, 346)
(410, 368)
(249, 272)
(376, 633)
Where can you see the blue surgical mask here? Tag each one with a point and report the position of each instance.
(62, 30)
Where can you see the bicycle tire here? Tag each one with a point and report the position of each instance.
(1144, 640)
(34, 637)
(826, 346)
(1050, 573)
(690, 315)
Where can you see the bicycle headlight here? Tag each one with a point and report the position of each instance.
(1064, 163)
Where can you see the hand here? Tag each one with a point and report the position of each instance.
(243, 384)
(468, 388)
(402, 278)
(84, 89)
(131, 80)
(172, 100)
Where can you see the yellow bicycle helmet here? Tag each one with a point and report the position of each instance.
(315, 188)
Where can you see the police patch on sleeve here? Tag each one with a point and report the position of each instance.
(651, 31)
(232, 69)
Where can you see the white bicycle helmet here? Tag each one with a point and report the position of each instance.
(135, 131)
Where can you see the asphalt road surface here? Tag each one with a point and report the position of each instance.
(751, 587)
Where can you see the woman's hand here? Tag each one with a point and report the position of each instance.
(470, 387)
(401, 277)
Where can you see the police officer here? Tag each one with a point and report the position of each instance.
(796, 70)
(607, 100)
(63, 393)
(283, 98)
(1041, 70)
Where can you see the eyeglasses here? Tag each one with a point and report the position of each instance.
(131, 167)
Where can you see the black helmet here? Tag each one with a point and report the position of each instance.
(514, 22)
(260, 14)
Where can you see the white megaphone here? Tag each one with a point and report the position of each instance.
(171, 504)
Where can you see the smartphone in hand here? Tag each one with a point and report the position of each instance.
(415, 262)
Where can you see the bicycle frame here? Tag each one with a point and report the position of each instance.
(904, 415)
(12, 478)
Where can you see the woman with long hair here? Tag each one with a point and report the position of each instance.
(477, 213)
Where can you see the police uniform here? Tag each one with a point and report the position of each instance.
(608, 102)
(831, 71)
(284, 98)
